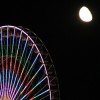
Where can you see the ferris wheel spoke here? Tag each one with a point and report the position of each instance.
(12, 48)
(17, 50)
(23, 71)
(2, 61)
(26, 62)
(36, 94)
(30, 91)
(33, 63)
(11, 69)
(42, 98)
(15, 62)
(1, 58)
(0, 85)
(28, 82)
(42, 93)
(22, 55)
(40, 90)
(6, 84)
(31, 79)
(20, 62)
(31, 68)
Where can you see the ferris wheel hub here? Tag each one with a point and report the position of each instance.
(5, 98)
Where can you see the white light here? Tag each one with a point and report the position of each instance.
(85, 14)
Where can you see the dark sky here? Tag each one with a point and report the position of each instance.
(73, 45)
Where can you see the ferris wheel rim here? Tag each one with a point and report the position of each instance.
(10, 26)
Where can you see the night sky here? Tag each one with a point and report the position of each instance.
(73, 45)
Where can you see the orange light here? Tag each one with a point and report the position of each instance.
(5, 98)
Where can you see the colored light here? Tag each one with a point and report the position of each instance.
(14, 74)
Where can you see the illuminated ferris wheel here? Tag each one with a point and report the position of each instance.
(26, 69)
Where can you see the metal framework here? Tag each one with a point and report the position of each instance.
(26, 68)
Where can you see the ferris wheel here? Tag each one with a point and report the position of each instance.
(26, 68)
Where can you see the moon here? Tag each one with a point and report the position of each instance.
(85, 14)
